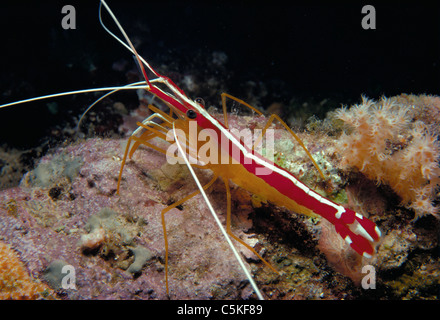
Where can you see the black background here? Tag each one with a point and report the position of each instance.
(315, 49)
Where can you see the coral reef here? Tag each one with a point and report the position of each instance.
(66, 212)
(389, 143)
(15, 282)
(115, 242)
(395, 248)
(14, 163)
(58, 171)
(419, 280)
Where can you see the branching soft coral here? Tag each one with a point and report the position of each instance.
(385, 143)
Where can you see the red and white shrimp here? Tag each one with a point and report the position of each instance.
(235, 162)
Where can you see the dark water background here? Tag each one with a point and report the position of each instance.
(303, 49)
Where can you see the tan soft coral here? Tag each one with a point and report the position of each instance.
(386, 142)
(15, 282)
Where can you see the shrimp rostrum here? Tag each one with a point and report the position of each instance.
(230, 159)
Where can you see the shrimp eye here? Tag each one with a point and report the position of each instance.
(200, 101)
(191, 114)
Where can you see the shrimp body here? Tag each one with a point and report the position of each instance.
(253, 172)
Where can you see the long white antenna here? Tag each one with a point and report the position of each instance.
(131, 86)
(217, 220)
(130, 47)
(102, 2)
(104, 96)
(130, 44)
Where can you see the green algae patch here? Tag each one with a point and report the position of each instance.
(61, 169)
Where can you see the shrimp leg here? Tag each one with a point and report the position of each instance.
(276, 117)
(138, 140)
(269, 122)
(225, 95)
(229, 231)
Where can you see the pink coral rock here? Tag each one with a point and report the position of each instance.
(43, 228)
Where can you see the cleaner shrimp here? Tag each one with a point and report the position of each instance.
(234, 162)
